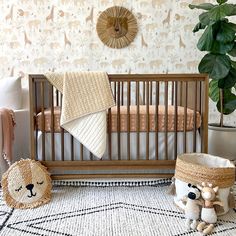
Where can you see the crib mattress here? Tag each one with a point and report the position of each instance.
(132, 125)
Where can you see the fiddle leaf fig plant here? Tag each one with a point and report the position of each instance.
(219, 41)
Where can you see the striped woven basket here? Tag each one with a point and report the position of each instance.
(196, 168)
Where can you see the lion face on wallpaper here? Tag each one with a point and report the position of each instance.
(117, 26)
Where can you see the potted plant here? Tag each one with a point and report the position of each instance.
(219, 41)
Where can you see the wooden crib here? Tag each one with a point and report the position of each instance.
(156, 118)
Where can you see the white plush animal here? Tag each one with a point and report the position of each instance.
(208, 213)
(192, 207)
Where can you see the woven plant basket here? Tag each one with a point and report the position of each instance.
(196, 168)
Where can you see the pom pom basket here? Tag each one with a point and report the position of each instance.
(196, 168)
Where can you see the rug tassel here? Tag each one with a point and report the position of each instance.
(172, 190)
(231, 199)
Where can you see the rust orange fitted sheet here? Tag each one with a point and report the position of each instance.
(133, 118)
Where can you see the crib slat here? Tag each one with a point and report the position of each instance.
(72, 147)
(144, 98)
(204, 126)
(60, 104)
(35, 97)
(109, 134)
(166, 120)
(172, 92)
(81, 152)
(52, 122)
(137, 120)
(90, 156)
(185, 116)
(62, 144)
(195, 118)
(147, 123)
(115, 91)
(201, 111)
(176, 120)
(128, 120)
(118, 120)
(42, 120)
(57, 98)
(181, 93)
(151, 93)
(157, 120)
(122, 93)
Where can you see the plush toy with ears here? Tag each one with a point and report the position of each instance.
(192, 207)
(26, 184)
(208, 213)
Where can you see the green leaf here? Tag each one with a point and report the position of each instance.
(221, 48)
(206, 40)
(221, 11)
(204, 6)
(233, 6)
(228, 102)
(233, 51)
(222, 1)
(233, 63)
(229, 81)
(231, 105)
(216, 65)
(214, 91)
(226, 32)
(198, 26)
(204, 18)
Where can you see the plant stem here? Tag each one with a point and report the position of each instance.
(221, 108)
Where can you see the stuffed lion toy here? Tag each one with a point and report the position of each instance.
(26, 184)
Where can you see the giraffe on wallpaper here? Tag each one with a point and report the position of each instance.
(9, 16)
(143, 43)
(90, 17)
(181, 43)
(51, 15)
(167, 19)
(26, 39)
(66, 40)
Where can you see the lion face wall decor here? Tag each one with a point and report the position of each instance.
(117, 27)
(26, 184)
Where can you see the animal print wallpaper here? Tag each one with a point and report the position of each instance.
(37, 36)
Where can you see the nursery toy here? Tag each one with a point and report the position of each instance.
(208, 213)
(26, 184)
(192, 207)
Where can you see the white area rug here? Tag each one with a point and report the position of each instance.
(97, 208)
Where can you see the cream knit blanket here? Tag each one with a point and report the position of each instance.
(86, 96)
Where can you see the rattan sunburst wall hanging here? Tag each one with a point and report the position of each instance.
(117, 27)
